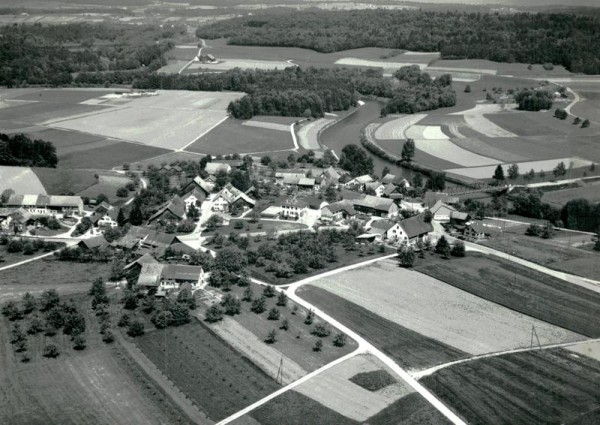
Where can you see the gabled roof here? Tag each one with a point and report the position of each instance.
(345, 206)
(479, 227)
(306, 182)
(431, 198)
(374, 202)
(197, 193)
(363, 179)
(389, 189)
(144, 259)
(457, 215)
(150, 274)
(234, 163)
(282, 172)
(388, 178)
(159, 239)
(415, 226)
(291, 179)
(198, 183)
(331, 173)
(45, 201)
(232, 194)
(182, 272)
(440, 205)
(91, 243)
(373, 185)
(175, 206)
(383, 225)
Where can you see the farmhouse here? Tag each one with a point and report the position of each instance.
(200, 185)
(294, 208)
(373, 205)
(96, 242)
(47, 205)
(446, 213)
(166, 278)
(386, 230)
(231, 197)
(133, 238)
(172, 210)
(432, 198)
(137, 264)
(300, 183)
(376, 187)
(213, 168)
(359, 182)
(478, 230)
(105, 216)
(342, 210)
(413, 230)
(195, 198)
(14, 218)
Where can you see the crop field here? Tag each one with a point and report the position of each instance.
(224, 64)
(267, 125)
(21, 180)
(387, 66)
(171, 119)
(232, 136)
(440, 311)
(559, 198)
(486, 172)
(408, 348)
(537, 387)
(487, 150)
(218, 379)
(396, 128)
(59, 181)
(44, 274)
(523, 290)
(308, 133)
(334, 389)
(92, 386)
(490, 67)
(558, 253)
(297, 342)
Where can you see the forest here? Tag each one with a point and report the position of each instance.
(309, 92)
(20, 150)
(536, 38)
(50, 54)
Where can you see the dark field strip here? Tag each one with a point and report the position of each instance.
(521, 289)
(205, 368)
(533, 388)
(407, 348)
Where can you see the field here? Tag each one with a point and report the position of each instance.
(558, 198)
(262, 227)
(295, 344)
(108, 186)
(439, 311)
(523, 290)
(561, 252)
(408, 348)
(224, 64)
(21, 180)
(308, 133)
(547, 387)
(59, 181)
(44, 274)
(488, 67)
(97, 385)
(232, 136)
(210, 372)
(171, 119)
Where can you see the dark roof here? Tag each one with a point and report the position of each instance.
(373, 202)
(479, 227)
(389, 189)
(144, 259)
(197, 183)
(91, 243)
(431, 198)
(183, 248)
(415, 226)
(175, 206)
(383, 225)
(341, 206)
(158, 239)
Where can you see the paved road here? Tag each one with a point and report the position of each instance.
(363, 346)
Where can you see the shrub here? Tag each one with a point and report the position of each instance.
(285, 325)
(274, 314)
(318, 346)
(214, 314)
(271, 337)
(108, 337)
(35, 326)
(282, 299)
(136, 328)
(533, 230)
(259, 305)
(122, 192)
(15, 246)
(51, 351)
(21, 346)
(124, 320)
(162, 319)
(28, 248)
(269, 291)
(309, 318)
(458, 250)
(79, 342)
(321, 330)
(247, 295)
(340, 339)
(231, 305)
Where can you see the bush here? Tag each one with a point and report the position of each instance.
(79, 342)
(533, 230)
(35, 326)
(162, 319)
(285, 325)
(318, 346)
(282, 299)
(214, 314)
(11, 311)
(124, 321)
(274, 314)
(269, 291)
(122, 192)
(310, 316)
(271, 337)
(108, 337)
(51, 351)
(321, 330)
(231, 305)
(28, 248)
(136, 328)
(15, 246)
(340, 339)
(247, 295)
(259, 305)
(458, 250)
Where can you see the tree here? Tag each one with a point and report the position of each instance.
(285, 325)
(408, 150)
(274, 314)
(282, 299)
(271, 337)
(441, 245)
(74, 323)
(162, 319)
(231, 259)
(122, 192)
(49, 299)
(585, 123)
(124, 320)
(499, 174)
(247, 295)
(231, 305)
(136, 328)
(320, 330)
(214, 314)
(576, 121)
(108, 337)
(130, 300)
(11, 311)
(121, 219)
(458, 250)
(427, 216)
(266, 160)
(356, 160)
(597, 244)
(468, 88)
(35, 326)
(330, 194)
(340, 339)
(560, 169)
(259, 305)
(406, 256)
(15, 246)
(29, 303)
(269, 291)
(79, 342)
(318, 345)
(136, 217)
(51, 351)
(417, 181)
(437, 181)
(310, 316)
(513, 171)
(547, 231)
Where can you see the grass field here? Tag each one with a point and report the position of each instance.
(261, 227)
(439, 311)
(210, 372)
(556, 253)
(44, 274)
(408, 348)
(21, 180)
(58, 181)
(109, 157)
(233, 137)
(548, 387)
(108, 186)
(224, 64)
(486, 172)
(518, 288)
(97, 385)
(559, 198)
(486, 66)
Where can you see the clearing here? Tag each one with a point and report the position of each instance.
(228, 64)
(108, 186)
(21, 180)
(520, 289)
(217, 378)
(543, 387)
(408, 348)
(439, 311)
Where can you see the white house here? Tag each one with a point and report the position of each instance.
(231, 196)
(413, 230)
(359, 182)
(170, 277)
(377, 187)
(195, 198)
(294, 208)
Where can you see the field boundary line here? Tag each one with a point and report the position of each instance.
(181, 149)
(291, 386)
(426, 372)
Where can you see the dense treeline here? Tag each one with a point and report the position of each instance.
(568, 40)
(20, 150)
(50, 54)
(535, 100)
(296, 91)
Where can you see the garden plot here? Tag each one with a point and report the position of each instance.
(377, 64)
(395, 129)
(171, 119)
(547, 165)
(333, 389)
(267, 125)
(308, 133)
(20, 179)
(440, 311)
(227, 64)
